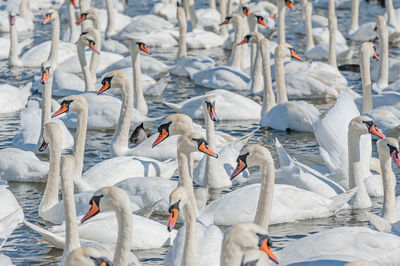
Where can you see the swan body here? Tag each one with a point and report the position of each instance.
(190, 65)
(222, 77)
(321, 52)
(13, 98)
(226, 101)
(24, 24)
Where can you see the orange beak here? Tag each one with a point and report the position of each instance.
(82, 18)
(94, 209)
(264, 247)
(163, 135)
(272, 15)
(375, 56)
(144, 49)
(63, 109)
(103, 264)
(91, 45)
(294, 55)
(204, 148)
(246, 12)
(374, 130)
(262, 22)
(45, 76)
(212, 113)
(289, 4)
(105, 87)
(46, 19)
(245, 40)
(239, 168)
(173, 217)
(73, 2)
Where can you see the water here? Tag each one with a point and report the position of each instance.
(27, 248)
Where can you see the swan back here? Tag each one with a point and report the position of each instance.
(86, 256)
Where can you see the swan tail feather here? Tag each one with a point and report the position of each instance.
(55, 240)
(284, 157)
(339, 201)
(379, 223)
(172, 105)
(148, 210)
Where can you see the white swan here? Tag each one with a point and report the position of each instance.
(33, 118)
(24, 24)
(13, 98)
(276, 203)
(187, 66)
(59, 51)
(246, 109)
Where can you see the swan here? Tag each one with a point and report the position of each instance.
(242, 239)
(33, 118)
(380, 73)
(293, 115)
(281, 18)
(69, 7)
(24, 24)
(108, 45)
(245, 108)
(327, 50)
(86, 256)
(187, 66)
(115, 20)
(116, 169)
(276, 203)
(14, 99)
(214, 172)
(11, 214)
(59, 51)
(340, 143)
(70, 239)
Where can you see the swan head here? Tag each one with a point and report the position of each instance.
(46, 70)
(246, 11)
(193, 142)
(86, 39)
(209, 107)
(51, 15)
(251, 155)
(369, 50)
(89, 14)
(175, 124)
(286, 51)
(363, 125)
(106, 199)
(72, 103)
(289, 4)
(12, 17)
(51, 133)
(252, 37)
(73, 3)
(87, 256)
(389, 147)
(234, 18)
(226, 20)
(137, 46)
(177, 199)
(113, 79)
(247, 236)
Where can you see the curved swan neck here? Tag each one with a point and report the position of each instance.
(392, 15)
(269, 97)
(79, 149)
(236, 55)
(13, 59)
(281, 93)
(55, 39)
(185, 177)
(252, 21)
(355, 6)
(122, 250)
(257, 78)
(365, 78)
(356, 179)
(309, 38)
(71, 226)
(110, 19)
(332, 40)
(383, 79)
(190, 255)
(46, 104)
(95, 58)
(182, 50)
(222, 11)
(84, 5)
(211, 162)
(281, 22)
(89, 85)
(50, 195)
(25, 10)
(72, 24)
(119, 144)
(140, 102)
(331, 8)
(266, 197)
(389, 187)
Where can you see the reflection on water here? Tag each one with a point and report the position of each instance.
(26, 247)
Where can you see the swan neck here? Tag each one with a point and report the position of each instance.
(309, 38)
(122, 250)
(355, 6)
(46, 104)
(281, 22)
(79, 146)
(389, 187)
(356, 179)
(13, 55)
(392, 15)
(236, 50)
(89, 86)
(110, 19)
(365, 80)
(182, 50)
(25, 10)
(281, 93)
(72, 24)
(190, 255)
(119, 146)
(211, 163)
(265, 199)
(55, 39)
(331, 8)
(257, 78)
(383, 79)
(269, 97)
(185, 162)
(140, 103)
(332, 41)
(222, 11)
(191, 9)
(95, 58)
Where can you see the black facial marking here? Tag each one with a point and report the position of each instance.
(262, 238)
(242, 158)
(393, 149)
(108, 79)
(174, 206)
(101, 261)
(368, 123)
(66, 103)
(165, 127)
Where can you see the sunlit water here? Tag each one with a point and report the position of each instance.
(27, 248)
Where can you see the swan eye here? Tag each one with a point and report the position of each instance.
(106, 79)
(393, 149)
(368, 123)
(164, 126)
